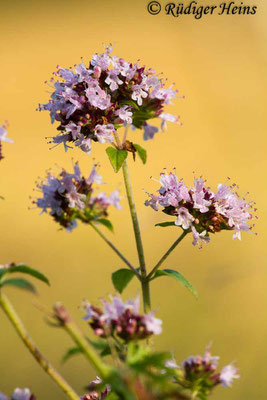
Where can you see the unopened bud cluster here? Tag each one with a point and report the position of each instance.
(199, 210)
(203, 369)
(92, 102)
(96, 393)
(122, 320)
(71, 197)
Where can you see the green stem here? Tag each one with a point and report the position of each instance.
(82, 343)
(47, 367)
(168, 252)
(137, 233)
(115, 249)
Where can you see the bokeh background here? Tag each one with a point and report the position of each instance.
(218, 63)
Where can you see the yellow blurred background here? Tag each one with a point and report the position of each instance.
(218, 63)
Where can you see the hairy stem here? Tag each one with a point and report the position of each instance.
(124, 259)
(168, 252)
(45, 364)
(138, 239)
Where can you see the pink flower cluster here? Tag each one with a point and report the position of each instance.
(198, 367)
(122, 320)
(91, 103)
(70, 197)
(199, 210)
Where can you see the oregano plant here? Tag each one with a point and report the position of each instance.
(109, 101)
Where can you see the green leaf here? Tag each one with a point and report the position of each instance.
(24, 269)
(98, 344)
(141, 152)
(164, 224)
(178, 276)
(71, 352)
(19, 283)
(122, 278)
(142, 358)
(130, 103)
(136, 353)
(116, 157)
(102, 346)
(105, 352)
(106, 223)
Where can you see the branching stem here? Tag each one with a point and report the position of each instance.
(43, 362)
(168, 252)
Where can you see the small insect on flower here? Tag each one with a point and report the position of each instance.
(70, 197)
(91, 102)
(121, 320)
(200, 211)
(3, 138)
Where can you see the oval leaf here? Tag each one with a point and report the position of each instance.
(141, 152)
(106, 223)
(164, 224)
(19, 283)
(25, 269)
(116, 157)
(122, 278)
(178, 276)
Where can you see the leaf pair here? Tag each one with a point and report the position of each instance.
(21, 282)
(99, 345)
(117, 156)
(123, 277)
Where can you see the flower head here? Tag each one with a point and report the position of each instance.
(121, 319)
(91, 102)
(200, 373)
(199, 210)
(71, 197)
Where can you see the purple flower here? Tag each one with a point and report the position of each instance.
(184, 218)
(139, 93)
(113, 79)
(104, 133)
(124, 114)
(121, 319)
(201, 211)
(3, 138)
(168, 117)
(3, 135)
(21, 394)
(71, 197)
(109, 92)
(199, 238)
(152, 324)
(228, 374)
(149, 131)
